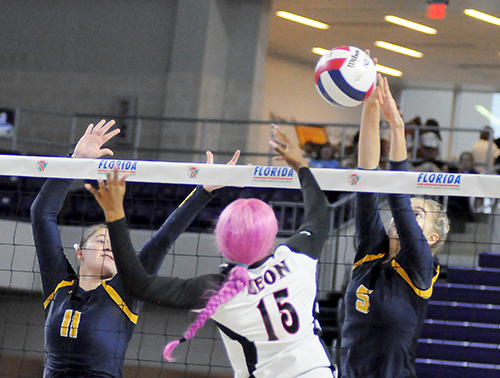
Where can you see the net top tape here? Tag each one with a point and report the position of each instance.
(348, 180)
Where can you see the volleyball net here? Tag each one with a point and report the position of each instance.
(466, 292)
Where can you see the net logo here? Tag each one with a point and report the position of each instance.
(353, 179)
(41, 165)
(269, 174)
(124, 166)
(445, 181)
(193, 172)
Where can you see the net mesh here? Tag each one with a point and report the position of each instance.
(460, 330)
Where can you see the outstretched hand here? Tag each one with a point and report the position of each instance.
(210, 160)
(110, 194)
(89, 145)
(388, 105)
(287, 151)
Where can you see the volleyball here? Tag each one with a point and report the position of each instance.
(345, 76)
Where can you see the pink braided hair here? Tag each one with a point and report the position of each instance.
(245, 232)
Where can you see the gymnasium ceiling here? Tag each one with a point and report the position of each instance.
(464, 54)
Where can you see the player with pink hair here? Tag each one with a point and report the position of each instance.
(264, 299)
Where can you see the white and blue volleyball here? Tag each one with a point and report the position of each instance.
(345, 76)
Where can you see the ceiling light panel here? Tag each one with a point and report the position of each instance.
(399, 49)
(482, 16)
(302, 20)
(410, 24)
(388, 70)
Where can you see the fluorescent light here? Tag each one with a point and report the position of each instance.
(494, 120)
(388, 70)
(319, 50)
(382, 69)
(482, 16)
(302, 20)
(410, 24)
(399, 49)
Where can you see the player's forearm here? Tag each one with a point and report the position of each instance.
(369, 137)
(153, 252)
(398, 151)
(133, 274)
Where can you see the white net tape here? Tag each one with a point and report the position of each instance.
(348, 180)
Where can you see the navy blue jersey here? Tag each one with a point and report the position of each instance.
(386, 301)
(87, 332)
(267, 328)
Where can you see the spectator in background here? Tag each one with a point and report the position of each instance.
(428, 154)
(325, 157)
(351, 161)
(481, 148)
(431, 125)
(460, 209)
(410, 134)
(466, 163)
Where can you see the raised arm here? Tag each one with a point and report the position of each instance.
(369, 133)
(169, 291)
(313, 232)
(415, 256)
(390, 111)
(54, 266)
(370, 230)
(154, 251)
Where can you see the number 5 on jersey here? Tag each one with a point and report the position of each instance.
(363, 301)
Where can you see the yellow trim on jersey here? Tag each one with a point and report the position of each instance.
(61, 284)
(120, 302)
(367, 258)
(75, 323)
(65, 323)
(190, 194)
(426, 294)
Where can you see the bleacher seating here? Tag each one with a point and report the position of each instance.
(461, 335)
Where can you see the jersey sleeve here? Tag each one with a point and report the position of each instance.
(370, 230)
(415, 257)
(313, 232)
(169, 291)
(54, 266)
(154, 251)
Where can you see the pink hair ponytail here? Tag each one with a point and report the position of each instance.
(237, 281)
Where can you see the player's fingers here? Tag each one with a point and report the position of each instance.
(105, 151)
(107, 126)
(210, 157)
(387, 90)
(123, 178)
(115, 174)
(98, 127)
(281, 137)
(92, 190)
(276, 147)
(110, 135)
(235, 158)
(101, 184)
(280, 144)
(89, 129)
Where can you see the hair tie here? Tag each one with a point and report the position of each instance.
(243, 265)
